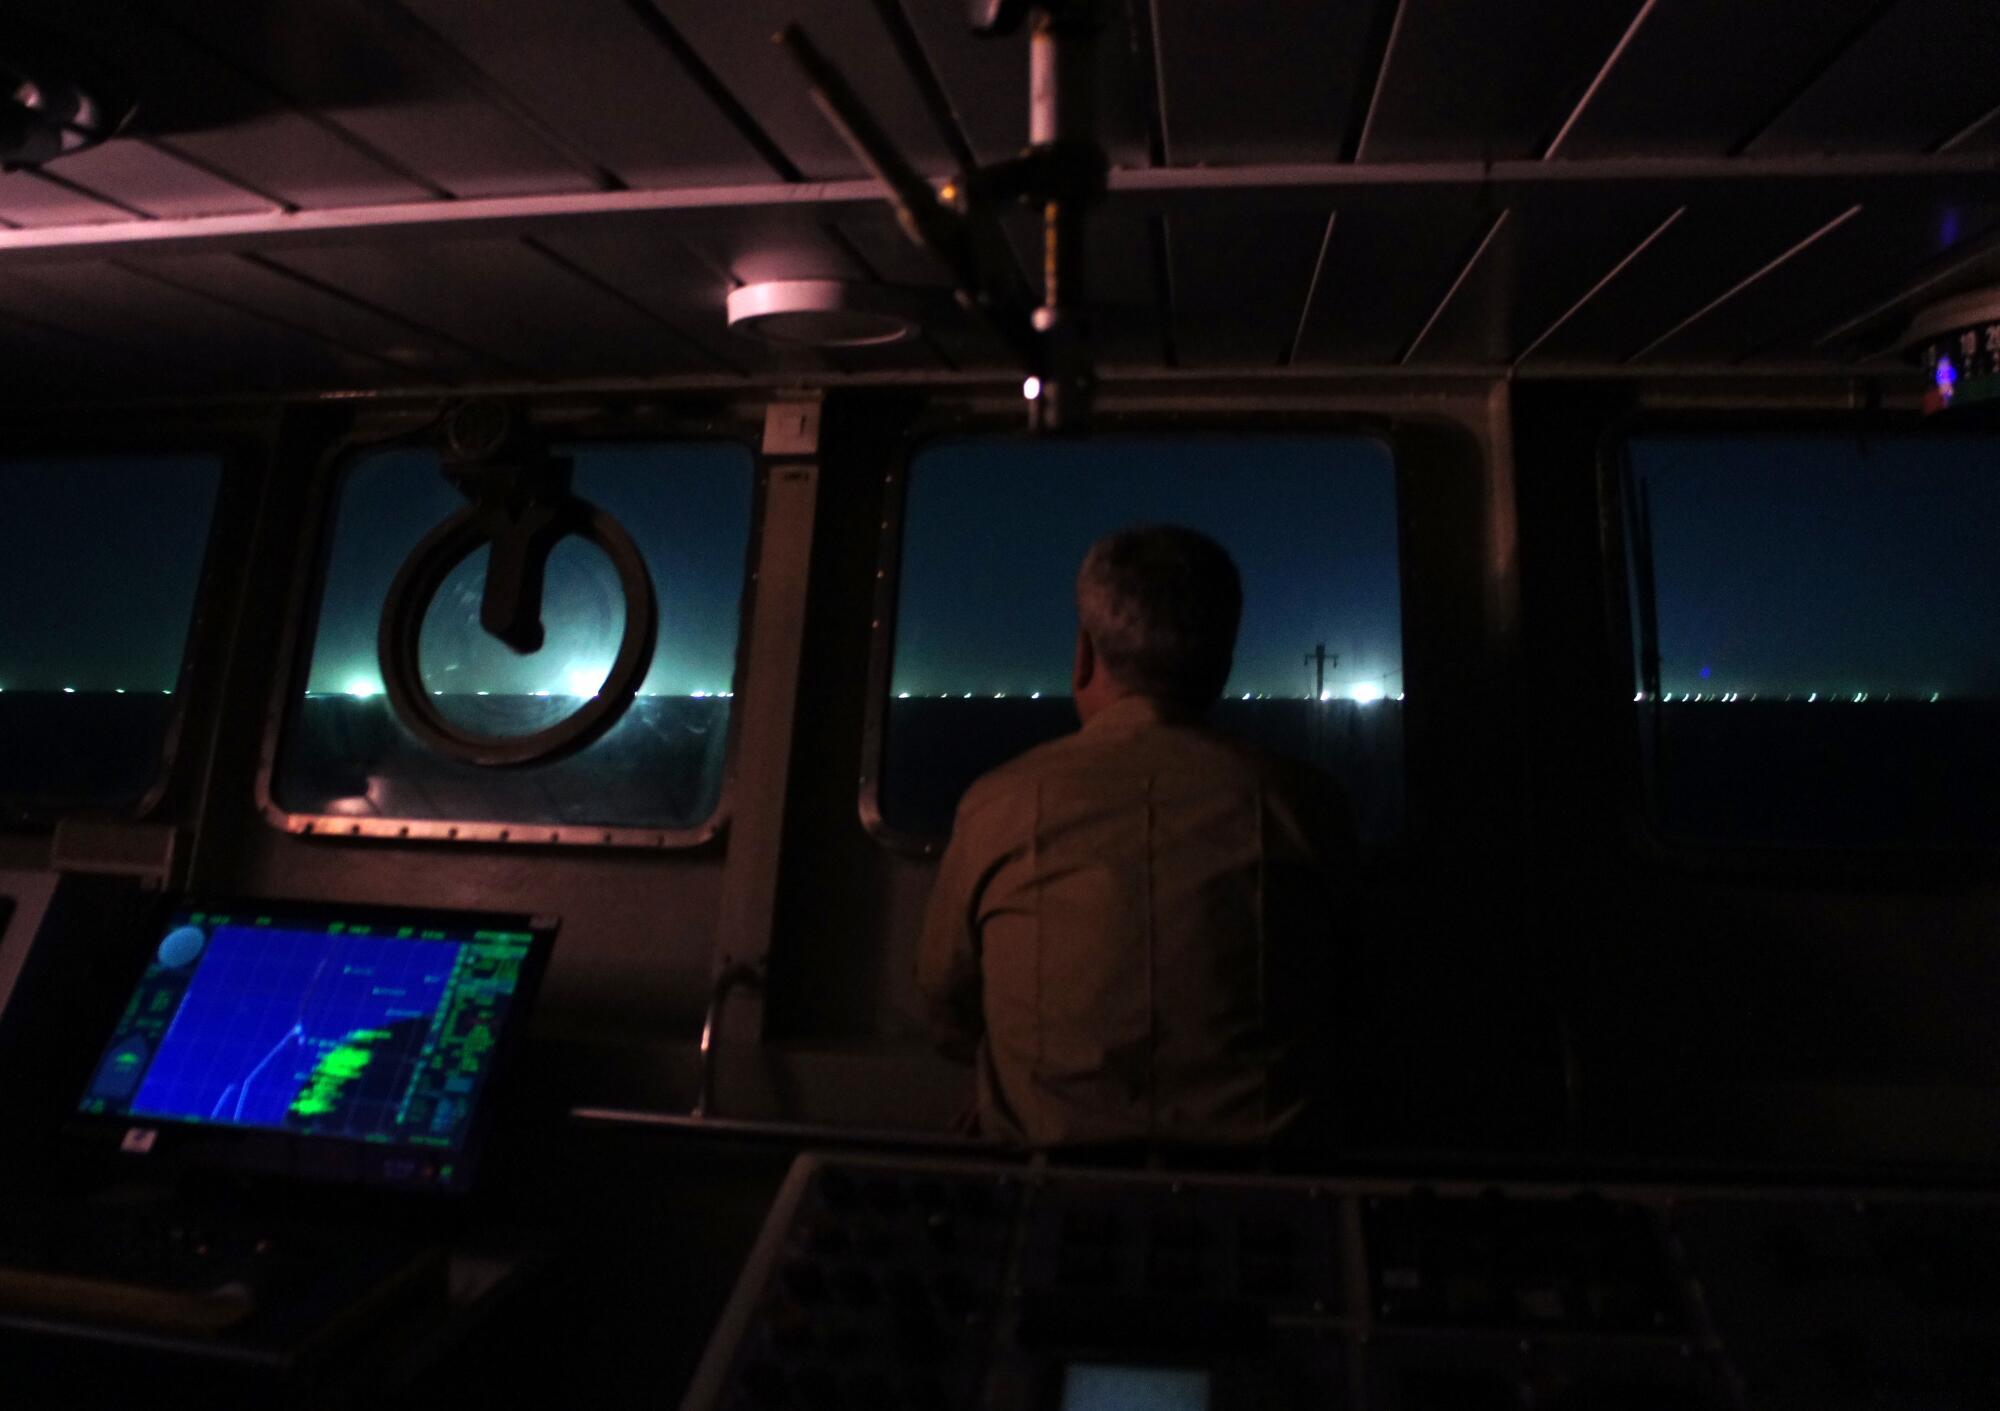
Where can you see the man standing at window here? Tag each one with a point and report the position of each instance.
(1133, 928)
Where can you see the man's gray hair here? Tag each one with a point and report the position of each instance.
(1160, 604)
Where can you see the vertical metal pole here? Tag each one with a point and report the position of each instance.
(768, 696)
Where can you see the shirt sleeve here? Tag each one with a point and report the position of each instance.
(948, 954)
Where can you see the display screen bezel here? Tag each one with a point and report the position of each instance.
(183, 1145)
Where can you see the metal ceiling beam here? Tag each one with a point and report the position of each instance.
(1166, 190)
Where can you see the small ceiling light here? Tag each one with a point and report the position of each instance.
(822, 313)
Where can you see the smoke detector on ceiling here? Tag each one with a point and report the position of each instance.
(1957, 344)
(822, 313)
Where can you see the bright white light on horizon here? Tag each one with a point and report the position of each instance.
(361, 688)
(585, 680)
(1813, 697)
(541, 695)
(69, 690)
(1037, 695)
(697, 695)
(1323, 695)
(902, 695)
(1364, 693)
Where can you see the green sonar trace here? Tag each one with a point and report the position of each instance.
(337, 1069)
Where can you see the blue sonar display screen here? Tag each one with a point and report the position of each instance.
(317, 1026)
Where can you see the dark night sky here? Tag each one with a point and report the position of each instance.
(1823, 564)
(101, 563)
(995, 531)
(687, 507)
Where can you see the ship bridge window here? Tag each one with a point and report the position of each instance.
(99, 582)
(348, 765)
(985, 617)
(1816, 630)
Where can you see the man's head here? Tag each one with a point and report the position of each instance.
(1157, 607)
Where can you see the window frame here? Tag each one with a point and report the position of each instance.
(25, 813)
(1645, 839)
(935, 427)
(295, 652)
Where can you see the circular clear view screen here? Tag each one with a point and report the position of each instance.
(480, 684)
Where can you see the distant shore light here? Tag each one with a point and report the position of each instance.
(361, 688)
(902, 695)
(69, 690)
(1364, 693)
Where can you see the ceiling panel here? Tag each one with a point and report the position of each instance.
(28, 199)
(518, 307)
(1472, 78)
(223, 119)
(190, 339)
(1895, 248)
(1239, 283)
(41, 362)
(343, 60)
(671, 281)
(1982, 136)
(1385, 270)
(1538, 264)
(255, 286)
(1262, 80)
(1856, 267)
(987, 82)
(145, 179)
(1702, 255)
(735, 40)
(1741, 59)
(613, 89)
(1922, 73)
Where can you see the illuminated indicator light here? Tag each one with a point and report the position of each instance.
(1031, 388)
(1947, 380)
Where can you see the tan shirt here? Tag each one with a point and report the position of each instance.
(1131, 934)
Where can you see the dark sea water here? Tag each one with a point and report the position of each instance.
(1831, 773)
(936, 748)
